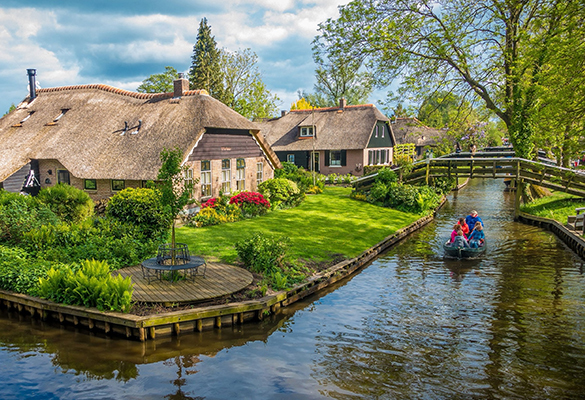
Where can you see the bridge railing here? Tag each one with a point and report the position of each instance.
(480, 166)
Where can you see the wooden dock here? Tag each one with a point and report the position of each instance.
(219, 280)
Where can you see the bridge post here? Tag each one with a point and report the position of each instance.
(519, 188)
(428, 167)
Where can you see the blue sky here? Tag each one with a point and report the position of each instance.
(122, 42)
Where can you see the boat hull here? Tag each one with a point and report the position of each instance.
(464, 252)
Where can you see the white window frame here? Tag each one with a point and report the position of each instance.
(259, 172)
(206, 180)
(290, 158)
(226, 176)
(332, 162)
(240, 174)
(306, 131)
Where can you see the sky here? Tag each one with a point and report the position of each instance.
(122, 42)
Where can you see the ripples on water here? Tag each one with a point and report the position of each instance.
(411, 325)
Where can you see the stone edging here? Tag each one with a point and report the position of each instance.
(198, 319)
(575, 242)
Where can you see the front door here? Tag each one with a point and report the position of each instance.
(315, 160)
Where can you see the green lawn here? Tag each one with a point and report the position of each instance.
(322, 225)
(557, 206)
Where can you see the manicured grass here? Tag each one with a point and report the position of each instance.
(323, 225)
(558, 206)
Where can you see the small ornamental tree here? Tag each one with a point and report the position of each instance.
(176, 192)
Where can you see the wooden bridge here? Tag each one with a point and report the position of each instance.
(490, 165)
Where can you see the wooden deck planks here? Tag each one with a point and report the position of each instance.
(220, 279)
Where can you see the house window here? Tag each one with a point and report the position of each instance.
(259, 173)
(240, 174)
(376, 131)
(370, 159)
(226, 176)
(205, 178)
(90, 184)
(189, 180)
(63, 176)
(383, 129)
(383, 157)
(335, 158)
(118, 184)
(306, 131)
(290, 158)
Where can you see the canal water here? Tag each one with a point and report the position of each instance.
(412, 325)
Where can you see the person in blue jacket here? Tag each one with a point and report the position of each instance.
(477, 237)
(472, 218)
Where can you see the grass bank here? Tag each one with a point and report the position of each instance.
(558, 206)
(322, 226)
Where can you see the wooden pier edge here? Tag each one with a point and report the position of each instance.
(205, 318)
(574, 241)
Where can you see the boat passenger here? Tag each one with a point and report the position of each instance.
(472, 219)
(464, 226)
(460, 240)
(477, 237)
(456, 229)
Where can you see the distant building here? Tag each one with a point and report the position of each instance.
(102, 139)
(411, 130)
(343, 139)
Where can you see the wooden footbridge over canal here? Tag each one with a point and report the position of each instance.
(492, 165)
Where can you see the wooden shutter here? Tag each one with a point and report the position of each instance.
(327, 155)
(343, 158)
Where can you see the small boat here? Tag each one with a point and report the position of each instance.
(464, 252)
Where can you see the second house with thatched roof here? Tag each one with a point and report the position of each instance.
(340, 139)
(102, 140)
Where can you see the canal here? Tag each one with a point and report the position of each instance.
(412, 325)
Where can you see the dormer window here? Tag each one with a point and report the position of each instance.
(306, 131)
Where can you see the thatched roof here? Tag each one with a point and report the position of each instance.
(347, 128)
(88, 138)
(411, 130)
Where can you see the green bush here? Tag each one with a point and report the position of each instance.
(303, 178)
(141, 207)
(262, 254)
(443, 184)
(91, 286)
(386, 175)
(19, 272)
(281, 193)
(67, 202)
(20, 214)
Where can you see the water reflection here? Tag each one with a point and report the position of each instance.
(412, 325)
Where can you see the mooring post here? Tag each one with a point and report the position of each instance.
(519, 188)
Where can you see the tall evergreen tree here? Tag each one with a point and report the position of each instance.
(205, 72)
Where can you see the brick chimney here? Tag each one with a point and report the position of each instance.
(181, 85)
(342, 103)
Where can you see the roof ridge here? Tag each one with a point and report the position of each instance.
(334, 108)
(121, 92)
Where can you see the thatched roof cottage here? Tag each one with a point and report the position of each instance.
(103, 139)
(343, 139)
(411, 130)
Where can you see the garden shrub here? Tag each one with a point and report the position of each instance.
(141, 207)
(262, 254)
(91, 286)
(20, 214)
(386, 175)
(314, 190)
(443, 184)
(302, 177)
(252, 204)
(19, 272)
(217, 210)
(281, 192)
(67, 202)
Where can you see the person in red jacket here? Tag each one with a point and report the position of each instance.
(464, 226)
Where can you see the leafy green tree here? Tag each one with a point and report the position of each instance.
(176, 193)
(205, 72)
(10, 109)
(159, 83)
(244, 90)
(492, 52)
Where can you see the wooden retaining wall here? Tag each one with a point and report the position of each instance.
(571, 239)
(198, 319)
